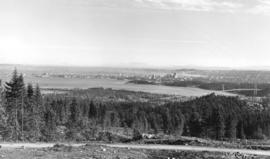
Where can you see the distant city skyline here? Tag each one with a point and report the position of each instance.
(136, 33)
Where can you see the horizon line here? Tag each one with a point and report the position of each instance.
(196, 67)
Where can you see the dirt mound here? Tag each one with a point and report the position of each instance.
(199, 155)
(61, 147)
(110, 137)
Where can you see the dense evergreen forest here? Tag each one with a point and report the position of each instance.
(263, 88)
(28, 115)
(242, 88)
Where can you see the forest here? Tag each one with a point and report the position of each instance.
(27, 115)
(242, 88)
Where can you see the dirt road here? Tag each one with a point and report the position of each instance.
(138, 146)
(34, 145)
(190, 148)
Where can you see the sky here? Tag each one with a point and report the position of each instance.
(135, 33)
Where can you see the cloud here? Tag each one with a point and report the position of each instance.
(262, 7)
(258, 7)
(267, 2)
(193, 5)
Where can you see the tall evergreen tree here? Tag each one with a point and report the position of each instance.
(231, 127)
(219, 123)
(92, 110)
(14, 94)
(3, 118)
(15, 87)
(30, 90)
(50, 124)
(33, 111)
(74, 112)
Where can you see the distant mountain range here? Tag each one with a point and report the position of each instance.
(142, 66)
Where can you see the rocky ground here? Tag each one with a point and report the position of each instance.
(200, 155)
(69, 152)
(95, 151)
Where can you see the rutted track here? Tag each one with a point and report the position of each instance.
(190, 148)
(34, 145)
(140, 146)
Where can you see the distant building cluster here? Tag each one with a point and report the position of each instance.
(155, 77)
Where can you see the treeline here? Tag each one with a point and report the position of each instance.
(21, 110)
(210, 85)
(27, 115)
(263, 88)
(215, 85)
(220, 117)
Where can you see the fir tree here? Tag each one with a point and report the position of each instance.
(30, 90)
(92, 113)
(14, 94)
(219, 123)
